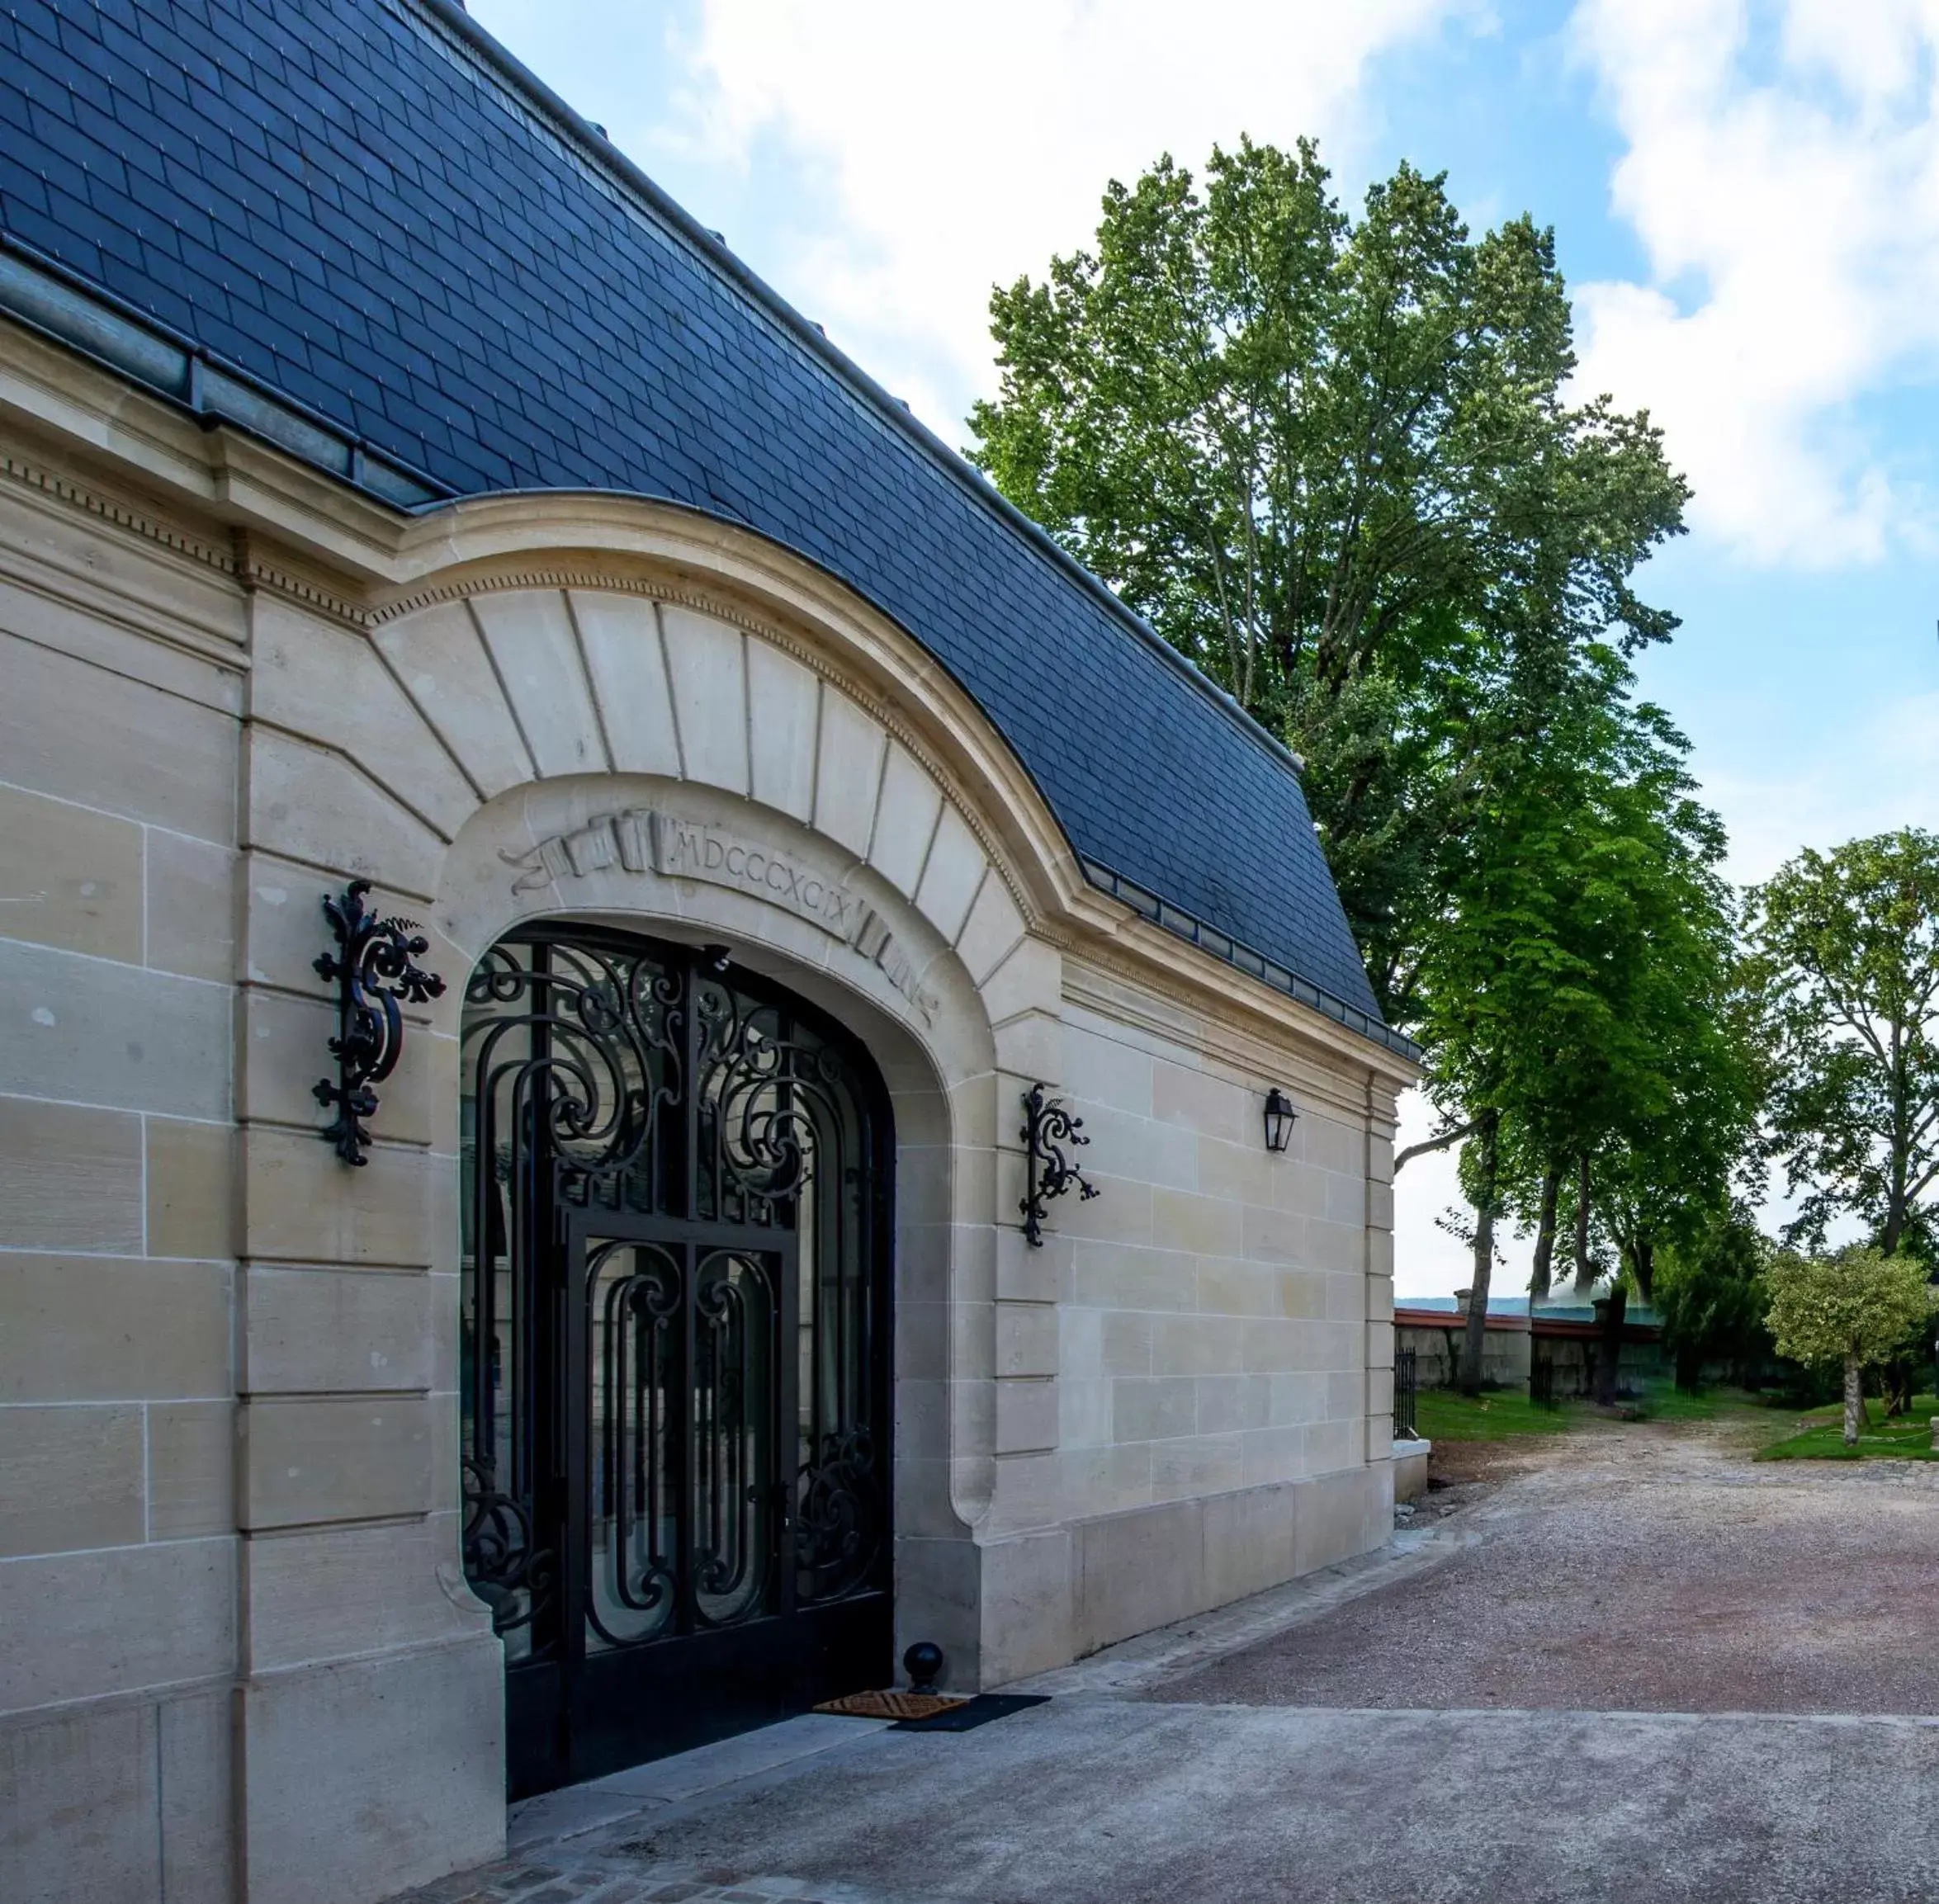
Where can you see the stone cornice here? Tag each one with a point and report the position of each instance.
(1250, 1028)
(124, 515)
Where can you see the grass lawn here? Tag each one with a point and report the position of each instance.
(1665, 1401)
(1446, 1414)
(1820, 1435)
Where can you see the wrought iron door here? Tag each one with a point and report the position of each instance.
(675, 1349)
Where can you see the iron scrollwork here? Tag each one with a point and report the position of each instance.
(1048, 1126)
(375, 977)
(512, 1576)
(840, 1519)
(674, 1236)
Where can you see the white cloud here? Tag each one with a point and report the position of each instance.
(1882, 776)
(1783, 176)
(962, 146)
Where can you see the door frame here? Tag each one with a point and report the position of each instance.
(561, 1710)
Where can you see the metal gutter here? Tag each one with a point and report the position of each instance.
(47, 297)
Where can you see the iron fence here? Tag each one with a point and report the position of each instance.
(1405, 1386)
(1541, 1382)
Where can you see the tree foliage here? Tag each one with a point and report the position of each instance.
(1847, 946)
(1710, 1296)
(1579, 983)
(1335, 461)
(1332, 460)
(1858, 1302)
(1856, 1309)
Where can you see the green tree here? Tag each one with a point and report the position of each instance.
(1332, 461)
(1710, 1293)
(1854, 1309)
(1577, 991)
(1847, 945)
(1685, 1143)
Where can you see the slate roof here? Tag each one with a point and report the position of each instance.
(368, 207)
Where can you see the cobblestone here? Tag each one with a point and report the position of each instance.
(600, 1881)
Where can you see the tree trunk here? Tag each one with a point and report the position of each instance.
(1539, 1274)
(1854, 1400)
(1643, 1262)
(1895, 1384)
(1484, 1259)
(1689, 1368)
(1609, 1356)
(1583, 1277)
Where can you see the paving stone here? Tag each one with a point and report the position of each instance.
(533, 1879)
(1164, 1772)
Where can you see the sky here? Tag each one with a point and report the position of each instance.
(1745, 196)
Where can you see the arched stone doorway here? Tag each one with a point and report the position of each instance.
(675, 1356)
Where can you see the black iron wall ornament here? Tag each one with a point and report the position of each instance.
(375, 978)
(1047, 1127)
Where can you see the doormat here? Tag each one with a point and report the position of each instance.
(909, 1707)
(966, 1715)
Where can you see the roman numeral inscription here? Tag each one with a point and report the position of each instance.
(682, 850)
(640, 839)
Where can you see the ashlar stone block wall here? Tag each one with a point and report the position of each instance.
(240, 1659)
(1218, 1295)
(1195, 1389)
(120, 685)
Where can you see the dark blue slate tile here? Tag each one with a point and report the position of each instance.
(376, 226)
(55, 230)
(171, 133)
(20, 189)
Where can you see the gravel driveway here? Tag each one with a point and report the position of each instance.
(1632, 1668)
(1641, 1569)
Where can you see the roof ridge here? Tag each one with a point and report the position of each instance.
(592, 145)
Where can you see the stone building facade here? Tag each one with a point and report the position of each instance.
(266, 1603)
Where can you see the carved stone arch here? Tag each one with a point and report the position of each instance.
(582, 847)
(530, 684)
(504, 741)
(543, 681)
(687, 564)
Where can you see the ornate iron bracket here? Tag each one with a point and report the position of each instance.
(375, 977)
(1047, 1127)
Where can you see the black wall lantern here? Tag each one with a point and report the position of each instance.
(375, 977)
(1278, 1119)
